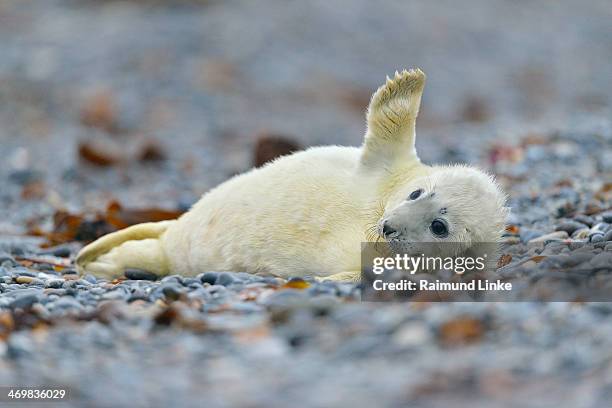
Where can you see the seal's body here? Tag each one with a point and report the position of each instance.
(307, 213)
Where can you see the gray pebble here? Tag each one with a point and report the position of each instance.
(246, 307)
(25, 176)
(209, 277)
(553, 236)
(585, 219)
(90, 278)
(52, 293)
(600, 227)
(54, 283)
(114, 295)
(528, 234)
(511, 240)
(62, 251)
(172, 278)
(97, 291)
(225, 279)
(83, 283)
(24, 272)
(607, 217)
(139, 274)
(602, 261)
(570, 226)
(46, 267)
(191, 281)
(172, 291)
(138, 294)
(582, 233)
(17, 251)
(19, 346)
(271, 280)
(67, 302)
(594, 238)
(69, 284)
(24, 301)
(319, 289)
(8, 259)
(608, 236)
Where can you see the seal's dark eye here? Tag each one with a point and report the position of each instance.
(416, 194)
(438, 227)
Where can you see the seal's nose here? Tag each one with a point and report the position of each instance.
(388, 230)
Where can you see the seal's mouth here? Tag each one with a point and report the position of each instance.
(388, 233)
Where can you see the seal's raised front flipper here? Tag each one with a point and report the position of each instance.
(391, 120)
(137, 247)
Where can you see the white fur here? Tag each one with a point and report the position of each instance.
(308, 213)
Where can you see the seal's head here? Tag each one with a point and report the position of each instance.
(458, 205)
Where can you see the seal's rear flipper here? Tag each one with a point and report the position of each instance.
(391, 120)
(137, 246)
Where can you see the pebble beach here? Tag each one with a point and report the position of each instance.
(149, 105)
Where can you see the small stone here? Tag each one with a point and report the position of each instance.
(137, 294)
(51, 293)
(172, 279)
(570, 226)
(46, 267)
(608, 236)
(527, 234)
(90, 278)
(114, 295)
(602, 260)
(4, 257)
(172, 291)
(62, 251)
(25, 176)
(19, 345)
(412, 335)
(24, 272)
(596, 238)
(271, 280)
(54, 283)
(511, 240)
(553, 236)
(601, 227)
(191, 281)
(575, 259)
(224, 279)
(83, 282)
(209, 277)
(67, 302)
(28, 280)
(585, 219)
(582, 233)
(139, 274)
(607, 217)
(24, 301)
(319, 289)
(245, 307)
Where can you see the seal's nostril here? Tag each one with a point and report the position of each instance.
(387, 229)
